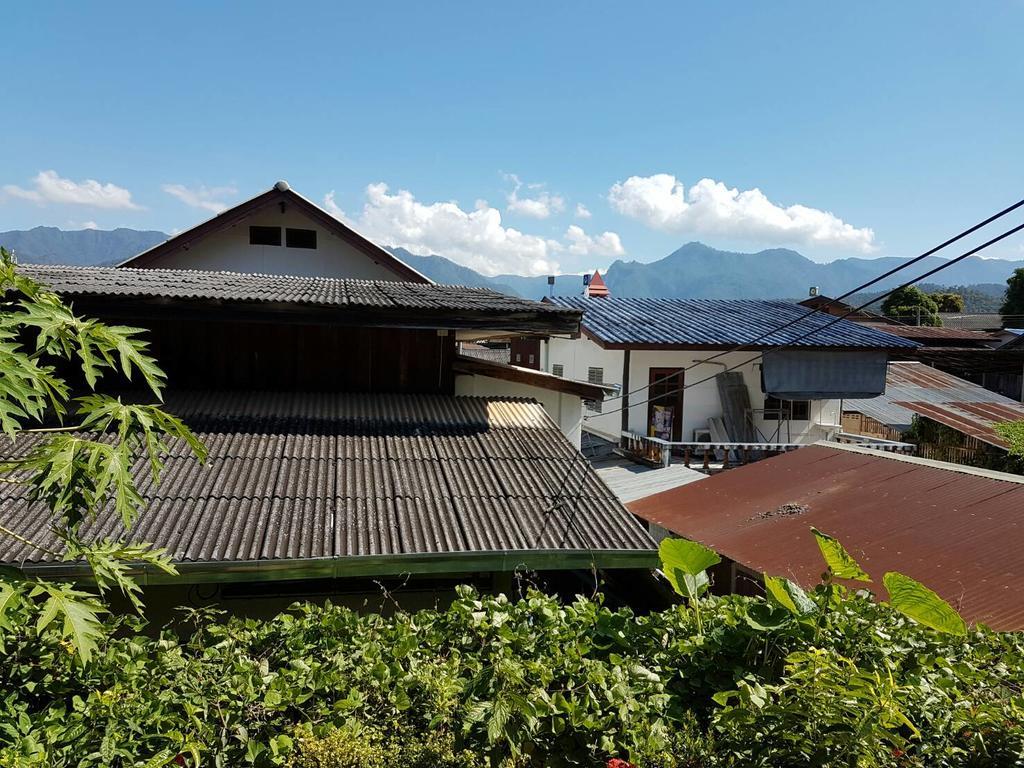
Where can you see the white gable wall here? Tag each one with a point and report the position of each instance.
(565, 410)
(229, 250)
(700, 402)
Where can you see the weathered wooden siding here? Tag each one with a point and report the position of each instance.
(292, 357)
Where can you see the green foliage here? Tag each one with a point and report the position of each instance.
(788, 595)
(375, 747)
(947, 301)
(526, 683)
(75, 470)
(913, 599)
(684, 563)
(1013, 304)
(905, 303)
(1013, 433)
(841, 564)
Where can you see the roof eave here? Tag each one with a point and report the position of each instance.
(134, 307)
(454, 563)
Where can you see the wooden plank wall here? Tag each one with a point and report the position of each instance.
(291, 357)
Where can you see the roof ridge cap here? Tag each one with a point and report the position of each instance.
(990, 474)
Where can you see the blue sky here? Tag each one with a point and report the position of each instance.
(476, 130)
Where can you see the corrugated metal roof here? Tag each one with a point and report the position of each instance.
(293, 475)
(956, 529)
(245, 287)
(915, 388)
(719, 322)
(926, 333)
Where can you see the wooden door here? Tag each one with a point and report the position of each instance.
(665, 399)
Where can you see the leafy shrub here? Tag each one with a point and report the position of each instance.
(531, 682)
(376, 748)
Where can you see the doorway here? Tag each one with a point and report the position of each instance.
(665, 403)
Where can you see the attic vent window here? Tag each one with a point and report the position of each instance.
(557, 369)
(264, 235)
(300, 238)
(595, 375)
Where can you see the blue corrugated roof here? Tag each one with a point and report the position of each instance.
(720, 322)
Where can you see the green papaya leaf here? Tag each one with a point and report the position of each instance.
(914, 600)
(840, 562)
(790, 596)
(682, 556)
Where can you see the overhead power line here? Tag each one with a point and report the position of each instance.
(917, 259)
(835, 319)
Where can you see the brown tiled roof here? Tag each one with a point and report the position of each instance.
(365, 481)
(957, 529)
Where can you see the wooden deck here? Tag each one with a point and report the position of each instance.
(630, 481)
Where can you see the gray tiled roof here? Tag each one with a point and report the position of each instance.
(719, 322)
(349, 475)
(245, 287)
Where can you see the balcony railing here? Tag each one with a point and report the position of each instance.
(659, 452)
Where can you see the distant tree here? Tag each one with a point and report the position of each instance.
(948, 301)
(906, 304)
(1013, 304)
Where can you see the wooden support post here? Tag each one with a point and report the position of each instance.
(624, 402)
(746, 454)
(686, 457)
(707, 465)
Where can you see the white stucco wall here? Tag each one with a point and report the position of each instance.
(229, 250)
(565, 410)
(700, 402)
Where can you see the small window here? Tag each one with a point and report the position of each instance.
(519, 357)
(781, 410)
(558, 370)
(264, 235)
(531, 359)
(593, 405)
(595, 375)
(300, 238)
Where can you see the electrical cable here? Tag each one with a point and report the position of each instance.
(835, 319)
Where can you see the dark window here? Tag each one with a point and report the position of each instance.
(780, 410)
(593, 405)
(264, 235)
(557, 369)
(595, 375)
(300, 238)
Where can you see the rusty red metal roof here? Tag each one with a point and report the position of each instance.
(915, 388)
(957, 529)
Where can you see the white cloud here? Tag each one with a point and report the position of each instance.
(207, 198)
(540, 206)
(582, 244)
(711, 208)
(48, 187)
(89, 225)
(333, 208)
(476, 238)
(582, 212)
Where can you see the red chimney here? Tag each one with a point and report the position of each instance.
(596, 287)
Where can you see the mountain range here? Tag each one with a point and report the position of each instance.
(693, 271)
